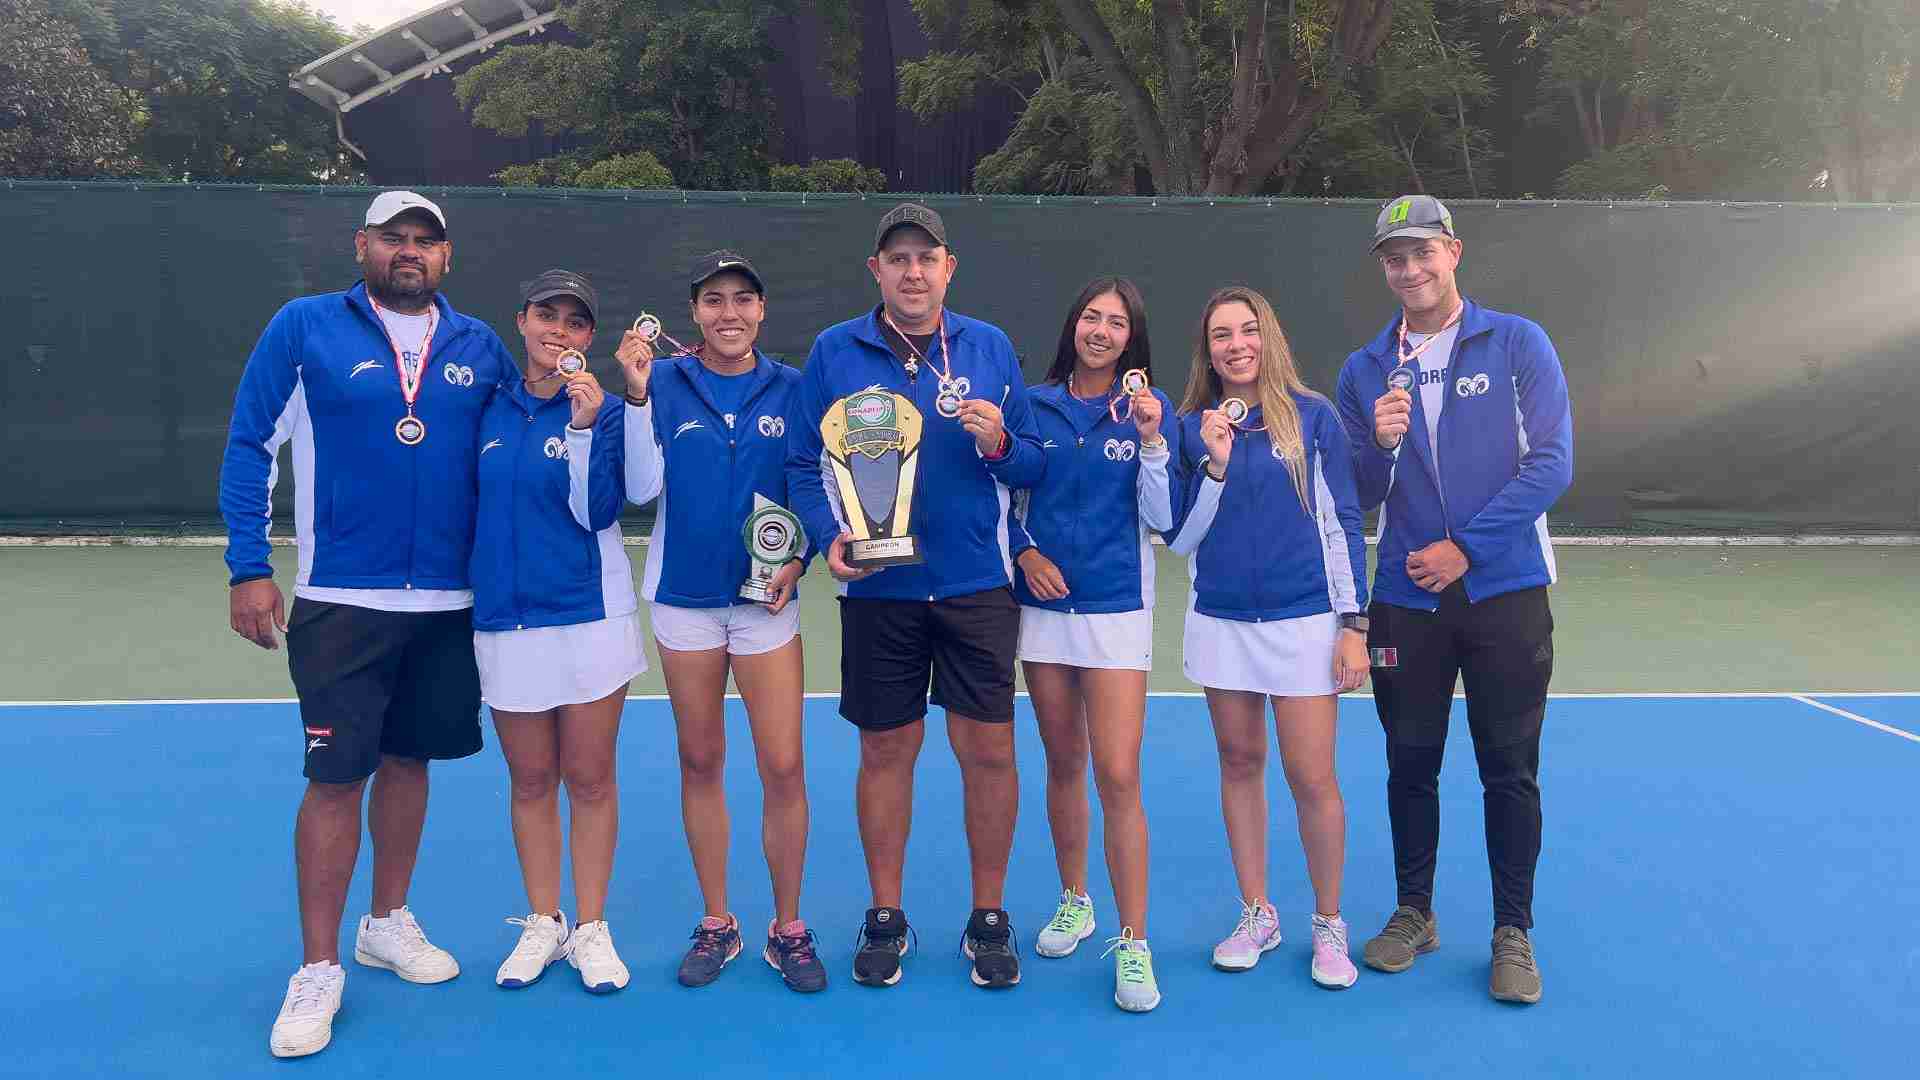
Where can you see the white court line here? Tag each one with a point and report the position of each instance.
(1856, 717)
(820, 695)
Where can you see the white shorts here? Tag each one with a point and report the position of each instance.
(1119, 639)
(548, 666)
(743, 629)
(1284, 658)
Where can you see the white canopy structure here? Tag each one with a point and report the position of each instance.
(416, 47)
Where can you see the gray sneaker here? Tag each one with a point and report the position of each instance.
(1515, 977)
(1072, 924)
(1406, 935)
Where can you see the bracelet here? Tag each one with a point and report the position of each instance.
(1159, 443)
(631, 400)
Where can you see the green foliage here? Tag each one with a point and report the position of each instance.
(639, 170)
(835, 174)
(211, 79)
(60, 115)
(1073, 138)
(679, 80)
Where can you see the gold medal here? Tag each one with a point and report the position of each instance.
(1234, 409)
(570, 363)
(411, 430)
(1133, 381)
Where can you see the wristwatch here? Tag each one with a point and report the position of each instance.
(1353, 621)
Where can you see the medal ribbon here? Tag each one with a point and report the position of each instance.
(409, 380)
(946, 351)
(1407, 357)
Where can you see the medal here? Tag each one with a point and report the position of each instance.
(1400, 378)
(649, 329)
(411, 430)
(1234, 409)
(570, 363)
(1133, 382)
(947, 404)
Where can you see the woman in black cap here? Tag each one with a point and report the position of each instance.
(556, 624)
(706, 434)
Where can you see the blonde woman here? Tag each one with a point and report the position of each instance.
(1270, 523)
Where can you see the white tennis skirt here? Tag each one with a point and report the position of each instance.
(549, 666)
(1119, 639)
(1283, 658)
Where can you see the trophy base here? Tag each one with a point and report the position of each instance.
(887, 551)
(758, 593)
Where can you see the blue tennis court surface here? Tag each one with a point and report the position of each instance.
(1730, 888)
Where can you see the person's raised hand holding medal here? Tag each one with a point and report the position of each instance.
(635, 355)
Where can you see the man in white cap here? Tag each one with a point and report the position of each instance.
(380, 391)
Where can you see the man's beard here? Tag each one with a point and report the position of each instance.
(413, 295)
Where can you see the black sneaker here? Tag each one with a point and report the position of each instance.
(714, 947)
(988, 942)
(882, 942)
(794, 957)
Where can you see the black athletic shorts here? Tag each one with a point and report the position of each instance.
(890, 648)
(382, 682)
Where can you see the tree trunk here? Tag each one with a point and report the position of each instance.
(1086, 24)
(1288, 117)
(1249, 60)
(1185, 157)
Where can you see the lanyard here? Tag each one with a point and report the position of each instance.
(1408, 357)
(946, 352)
(409, 379)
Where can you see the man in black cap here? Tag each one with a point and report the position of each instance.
(950, 619)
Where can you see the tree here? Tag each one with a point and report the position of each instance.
(212, 77)
(834, 174)
(1772, 99)
(60, 115)
(1217, 96)
(678, 79)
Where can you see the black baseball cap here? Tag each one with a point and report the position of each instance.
(554, 283)
(910, 214)
(721, 262)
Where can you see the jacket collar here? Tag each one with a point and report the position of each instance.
(450, 322)
(688, 366)
(869, 328)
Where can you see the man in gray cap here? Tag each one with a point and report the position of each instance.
(1464, 564)
(382, 384)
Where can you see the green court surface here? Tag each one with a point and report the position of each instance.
(117, 623)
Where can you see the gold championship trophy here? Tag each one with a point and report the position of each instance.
(873, 440)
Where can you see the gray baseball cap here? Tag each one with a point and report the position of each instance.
(910, 214)
(554, 283)
(1419, 216)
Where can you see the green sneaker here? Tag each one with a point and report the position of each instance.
(1134, 988)
(1072, 924)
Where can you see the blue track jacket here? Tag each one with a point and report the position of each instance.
(369, 512)
(705, 468)
(1256, 554)
(1094, 511)
(547, 551)
(1506, 454)
(960, 500)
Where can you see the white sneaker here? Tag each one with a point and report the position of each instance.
(305, 1023)
(543, 939)
(591, 951)
(397, 944)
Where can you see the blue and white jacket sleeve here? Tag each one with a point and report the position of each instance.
(1197, 495)
(810, 487)
(1372, 466)
(1024, 463)
(1018, 538)
(266, 408)
(645, 465)
(596, 487)
(1153, 487)
(1546, 461)
(1338, 517)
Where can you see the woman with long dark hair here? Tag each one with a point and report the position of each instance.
(1085, 585)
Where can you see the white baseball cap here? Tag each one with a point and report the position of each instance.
(391, 204)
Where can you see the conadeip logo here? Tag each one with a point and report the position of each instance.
(871, 409)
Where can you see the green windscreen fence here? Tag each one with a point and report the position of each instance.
(1734, 368)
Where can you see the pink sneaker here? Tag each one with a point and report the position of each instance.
(1257, 932)
(1332, 968)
